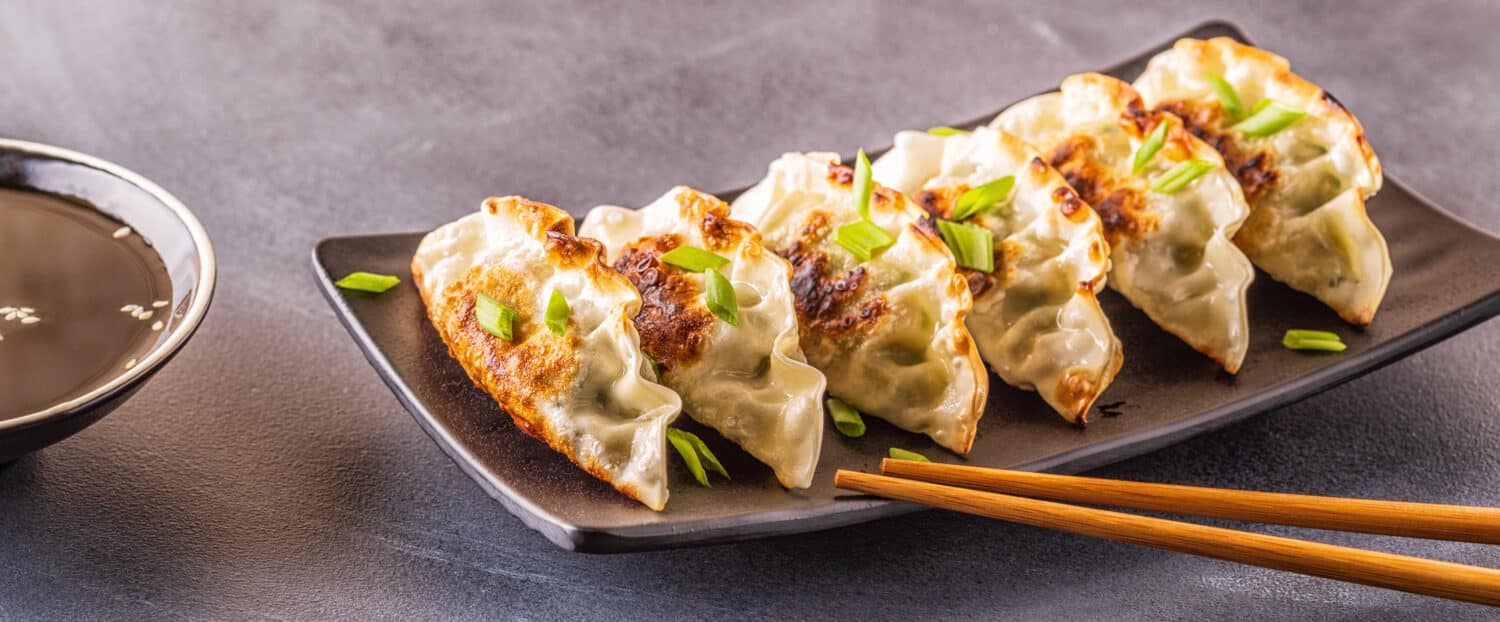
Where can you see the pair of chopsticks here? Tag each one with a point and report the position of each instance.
(992, 493)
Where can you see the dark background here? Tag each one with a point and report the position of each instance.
(267, 474)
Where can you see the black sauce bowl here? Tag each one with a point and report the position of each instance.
(157, 216)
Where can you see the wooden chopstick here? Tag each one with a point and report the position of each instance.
(1395, 518)
(1397, 572)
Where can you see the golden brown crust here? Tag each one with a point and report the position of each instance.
(1254, 168)
(829, 306)
(673, 323)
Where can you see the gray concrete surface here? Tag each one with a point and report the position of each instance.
(267, 474)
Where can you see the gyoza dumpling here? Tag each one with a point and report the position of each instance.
(749, 380)
(1035, 316)
(587, 393)
(1169, 242)
(1306, 182)
(889, 331)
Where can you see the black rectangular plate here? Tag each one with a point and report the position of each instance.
(1447, 278)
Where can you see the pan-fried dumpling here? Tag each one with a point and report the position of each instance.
(1170, 246)
(888, 331)
(587, 393)
(1035, 317)
(749, 381)
(1306, 182)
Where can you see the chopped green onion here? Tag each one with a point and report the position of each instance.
(1272, 118)
(495, 317)
(902, 454)
(696, 454)
(684, 448)
(943, 130)
(367, 282)
(1322, 345)
(1302, 333)
(693, 259)
(1228, 99)
(718, 292)
(1320, 340)
(1259, 106)
(846, 418)
(1149, 147)
(655, 368)
(864, 184)
(982, 197)
(1181, 175)
(973, 246)
(557, 313)
(863, 239)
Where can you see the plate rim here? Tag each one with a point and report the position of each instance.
(854, 509)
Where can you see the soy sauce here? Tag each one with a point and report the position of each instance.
(72, 268)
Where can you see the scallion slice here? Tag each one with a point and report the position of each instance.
(495, 317)
(863, 239)
(1228, 99)
(718, 292)
(982, 197)
(684, 448)
(1271, 118)
(846, 418)
(693, 259)
(557, 313)
(943, 130)
(902, 454)
(1317, 340)
(1181, 175)
(973, 246)
(696, 454)
(864, 184)
(655, 368)
(1149, 147)
(368, 282)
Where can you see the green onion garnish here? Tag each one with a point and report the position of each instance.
(982, 197)
(973, 246)
(845, 418)
(1181, 175)
(1271, 118)
(695, 453)
(1323, 341)
(1228, 99)
(1149, 147)
(718, 292)
(655, 368)
(862, 239)
(367, 282)
(494, 317)
(943, 130)
(693, 259)
(557, 313)
(902, 454)
(864, 184)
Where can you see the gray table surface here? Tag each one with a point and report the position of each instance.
(267, 473)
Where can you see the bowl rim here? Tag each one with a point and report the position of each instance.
(202, 294)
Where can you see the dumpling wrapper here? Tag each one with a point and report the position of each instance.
(1306, 184)
(749, 382)
(1035, 318)
(889, 332)
(588, 394)
(1171, 253)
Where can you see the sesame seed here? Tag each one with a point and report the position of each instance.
(30, 319)
(26, 310)
(130, 363)
(157, 326)
(7, 309)
(161, 303)
(145, 315)
(10, 316)
(121, 232)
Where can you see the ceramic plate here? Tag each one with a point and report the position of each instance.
(1447, 278)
